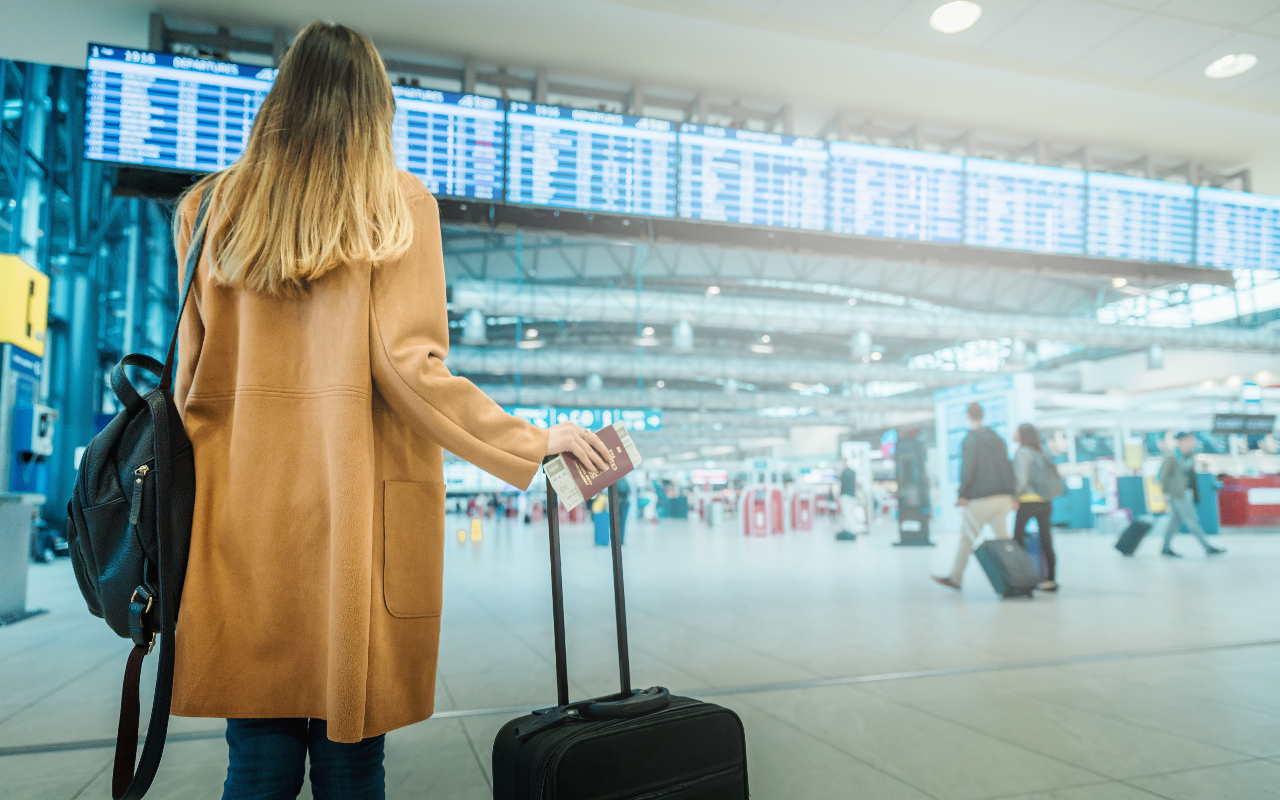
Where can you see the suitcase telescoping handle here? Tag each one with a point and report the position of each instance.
(627, 702)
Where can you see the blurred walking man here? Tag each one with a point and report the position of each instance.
(1178, 480)
(986, 490)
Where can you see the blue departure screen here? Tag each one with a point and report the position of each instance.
(730, 175)
(896, 193)
(452, 142)
(1141, 219)
(172, 111)
(590, 160)
(1024, 207)
(1237, 230)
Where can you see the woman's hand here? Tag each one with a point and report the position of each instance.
(585, 445)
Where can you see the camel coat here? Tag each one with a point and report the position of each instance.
(315, 577)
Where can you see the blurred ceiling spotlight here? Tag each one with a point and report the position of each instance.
(662, 384)
(1264, 378)
(730, 385)
(1207, 384)
(594, 381)
(853, 301)
(1119, 283)
(877, 355)
(761, 348)
(473, 328)
(682, 336)
(531, 344)
(569, 384)
(648, 330)
(955, 17)
(765, 338)
(799, 387)
(713, 290)
(532, 333)
(647, 340)
(1235, 382)
(1231, 66)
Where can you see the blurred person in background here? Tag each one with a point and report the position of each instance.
(1036, 484)
(1178, 481)
(848, 500)
(986, 490)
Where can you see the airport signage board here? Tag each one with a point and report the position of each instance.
(1249, 424)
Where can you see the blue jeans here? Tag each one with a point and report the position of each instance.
(268, 757)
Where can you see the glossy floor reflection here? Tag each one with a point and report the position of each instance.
(1161, 678)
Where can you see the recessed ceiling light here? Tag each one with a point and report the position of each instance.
(648, 331)
(532, 333)
(955, 17)
(713, 290)
(765, 338)
(853, 301)
(1230, 66)
(661, 384)
(1119, 283)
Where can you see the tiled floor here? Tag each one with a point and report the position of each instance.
(1165, 681)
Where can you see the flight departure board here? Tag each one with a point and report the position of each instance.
(590, 160)
(172, 111)
(896, 193)
(1141, 219)
(1237, 230)
(452, 142)
(1024, 207)
(752, 177)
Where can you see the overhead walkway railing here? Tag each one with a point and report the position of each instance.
(556, 363)
(834, 318)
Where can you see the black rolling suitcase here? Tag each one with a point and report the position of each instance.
(1133, 536)
(1010, 568)
(627, 746)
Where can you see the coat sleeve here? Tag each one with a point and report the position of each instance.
(968, 465)
(408, 342)
(1167, 469)
(1022, 472)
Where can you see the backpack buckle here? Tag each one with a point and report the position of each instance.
(138, 624)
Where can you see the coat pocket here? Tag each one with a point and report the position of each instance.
(413, 548)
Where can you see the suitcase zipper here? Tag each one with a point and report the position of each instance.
(543, 782)
(690, 784)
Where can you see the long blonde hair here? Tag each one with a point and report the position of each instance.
(317, 185)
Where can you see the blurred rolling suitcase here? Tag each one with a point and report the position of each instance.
(1011, 570)
(631, 745)
(1133, 536)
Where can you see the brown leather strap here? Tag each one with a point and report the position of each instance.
(127, 733)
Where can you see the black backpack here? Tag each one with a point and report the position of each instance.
(129, 531)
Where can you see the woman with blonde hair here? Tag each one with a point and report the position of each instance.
(313, 387)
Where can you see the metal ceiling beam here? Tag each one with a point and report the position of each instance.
(834, 318)
(696, 399)
(557, 363)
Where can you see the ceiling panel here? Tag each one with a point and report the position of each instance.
(912, 22)
(756, 7)
(1151, 46)
(1265, 88)
(866, 16)
(1239, 13)
(1191, 71)
(1269, 26)
(1059, 30)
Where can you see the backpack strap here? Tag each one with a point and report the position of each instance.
(194, 251)
(127, 781)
